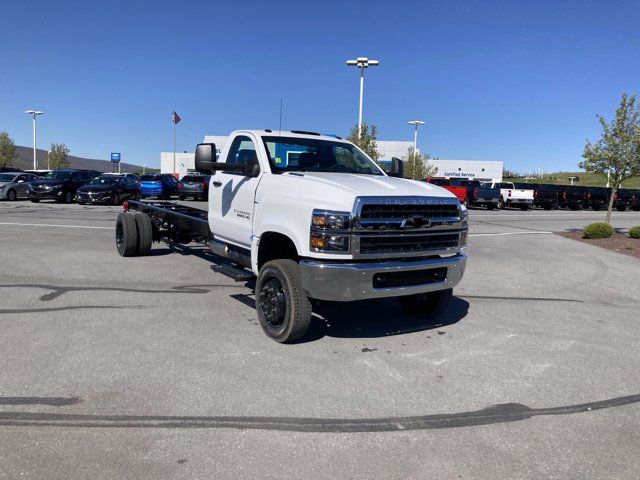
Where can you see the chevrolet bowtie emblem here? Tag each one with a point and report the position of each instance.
(415, 222)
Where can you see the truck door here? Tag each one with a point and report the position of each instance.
(232, 196)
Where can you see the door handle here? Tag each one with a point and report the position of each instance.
(217, 184)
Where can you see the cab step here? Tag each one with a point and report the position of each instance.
(236, 273)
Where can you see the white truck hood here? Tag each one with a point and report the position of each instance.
(369, 185)
(305, 191)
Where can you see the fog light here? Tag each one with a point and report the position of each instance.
(318, 241)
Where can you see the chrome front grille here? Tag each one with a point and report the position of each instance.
(406, 226)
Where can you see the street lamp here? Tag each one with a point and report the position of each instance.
(34, 113)
(362, 63)
(416, 124)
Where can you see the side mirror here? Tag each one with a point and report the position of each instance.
(252, 168)
(205, 157)
(397, 168)
(20, 181)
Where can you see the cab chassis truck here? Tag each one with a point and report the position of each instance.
(311, 217)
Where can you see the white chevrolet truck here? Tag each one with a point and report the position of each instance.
(510, 196)
(312, 217)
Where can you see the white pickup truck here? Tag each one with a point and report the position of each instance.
(312, 217)
(510, 196)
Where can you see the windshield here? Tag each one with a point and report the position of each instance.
(105, 180)
(58, 175)
(7, 177)
(310, 155)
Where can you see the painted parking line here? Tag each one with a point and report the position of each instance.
(508, 233)
(55, 226)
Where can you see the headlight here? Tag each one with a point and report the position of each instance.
(328, 231)
(327, 220)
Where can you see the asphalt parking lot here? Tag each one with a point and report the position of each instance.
(156, 367)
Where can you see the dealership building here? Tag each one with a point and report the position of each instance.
(483, 170)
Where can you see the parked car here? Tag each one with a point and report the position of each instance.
(109, 189)
(510, 196)
(573, 197)
(14, 185)
(634, 200)
(597, 198)
(59, 185)
(161, 185)
(545, 196)
(477, 195)
(194, 185)
(459, 192)
(622, 199)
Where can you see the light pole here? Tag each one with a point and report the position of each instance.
(144, 168)
(416, 124)
(362, 63)
(34, 113)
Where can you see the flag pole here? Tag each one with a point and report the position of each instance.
(173, 120)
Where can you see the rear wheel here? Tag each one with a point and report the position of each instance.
(181, 197)
(283, 308)
(524, 207)
(500, 204)
(126, 235)
(426, 304)
(35, 200)
(490, 206)
(621, 208)
(145, 233)
(11, 195)
(67, 197)
(116, 199)
(596, 208)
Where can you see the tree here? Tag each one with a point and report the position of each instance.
(417, 166)
(617, 153)
(367, 140)
(59, 156)
(7, 150)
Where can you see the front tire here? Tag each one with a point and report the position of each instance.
(67, 197)
(284, 311)
(426, 304)
(500, 204)
(11, 195)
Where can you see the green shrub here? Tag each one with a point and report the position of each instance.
(598, 230)
(635, 232)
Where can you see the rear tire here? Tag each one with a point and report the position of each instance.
(11, 195)
(426, 304)
(35, 200)
(283, 308)
(490, 206)
(524, 208)
(621, 209)
(116, 199)
(500, 204)
(181, 197)
(126, 235)
(145, 233)
(596, 208)
(67, 197)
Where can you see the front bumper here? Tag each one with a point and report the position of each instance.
(46, 194)
(345, 282)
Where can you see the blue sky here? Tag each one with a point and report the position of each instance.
(515, 81)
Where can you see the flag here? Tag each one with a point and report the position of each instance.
(175, 118)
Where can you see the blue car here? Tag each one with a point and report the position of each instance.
(160, 185)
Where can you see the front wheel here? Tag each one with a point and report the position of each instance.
(500, 204)
(283, 308)
(67, 197)
(426, 304)
(11, 195)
